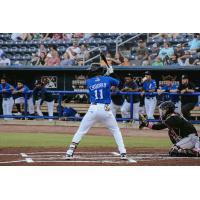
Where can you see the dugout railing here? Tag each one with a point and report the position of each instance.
(60, 94)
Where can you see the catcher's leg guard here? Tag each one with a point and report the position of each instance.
(71, 150)
(174, 151)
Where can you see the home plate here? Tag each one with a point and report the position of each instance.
(129, 159)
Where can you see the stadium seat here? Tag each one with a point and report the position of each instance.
(4, 48)
(23, 49)
(61, 49)
(14, 49)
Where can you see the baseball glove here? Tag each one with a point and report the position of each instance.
(142, 121)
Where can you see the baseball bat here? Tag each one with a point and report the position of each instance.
(104, 59)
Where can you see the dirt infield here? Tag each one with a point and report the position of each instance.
(90, 157)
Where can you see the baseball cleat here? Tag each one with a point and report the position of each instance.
(68, 157)
(123, 156)
(70, 151)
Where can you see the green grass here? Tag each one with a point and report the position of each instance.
(61, 140)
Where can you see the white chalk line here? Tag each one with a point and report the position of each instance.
(27, 158)
(53, 158)
(128, 158)
(60, 152)
(14, 161)
(9, 154)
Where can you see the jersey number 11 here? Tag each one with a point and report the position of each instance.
(98, 94)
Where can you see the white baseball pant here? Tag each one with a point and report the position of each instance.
(190, 142)
(115, 108)
(30, 105)
(7, 106)
(125, 110)
(150, 105)
(97, 113)
(50, 107)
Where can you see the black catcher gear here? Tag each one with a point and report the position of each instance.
(166, 108)
(142, 121)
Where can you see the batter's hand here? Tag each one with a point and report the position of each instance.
(109, 71)
(142, 121)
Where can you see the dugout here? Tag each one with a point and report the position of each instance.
(62, 78)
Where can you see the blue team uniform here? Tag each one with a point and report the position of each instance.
(167, 97)
(149, 85)
(99, 89)
(8, 93)
(26, 90)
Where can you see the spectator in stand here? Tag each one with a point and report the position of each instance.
(154, 52)
(108, 58)
(166, 51)
(74, 50)
(47, 36)
(185, 59)
(42, 49)
(172, 60)
(195, 43)
(83, 55)
(57, 36)
(142, 52)
(52, 59)
(37, 36)
(67, 36)
(34, 59)
(21, 36)
(126, 62)
(87, 36)
(53, 48)
(1, 52)
(78, 35)
(118, 60)
(4, 61)
(41, 59)
(179, 52)
(67, 60)
(158, 62)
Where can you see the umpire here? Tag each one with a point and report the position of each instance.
(187, 102)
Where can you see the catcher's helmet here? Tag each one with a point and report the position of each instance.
(95, 69)
(166, 108)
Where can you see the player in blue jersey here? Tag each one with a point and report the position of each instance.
(19, 94)
(99, 87)
(170, 87)
(8, 102)
(150, 101)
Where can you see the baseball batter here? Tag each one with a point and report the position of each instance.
(99, 87)
(181, 132)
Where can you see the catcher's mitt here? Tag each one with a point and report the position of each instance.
(142, 121)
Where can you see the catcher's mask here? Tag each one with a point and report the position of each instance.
(165, 109)
(96, 69)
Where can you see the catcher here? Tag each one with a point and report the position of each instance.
(181, 132)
